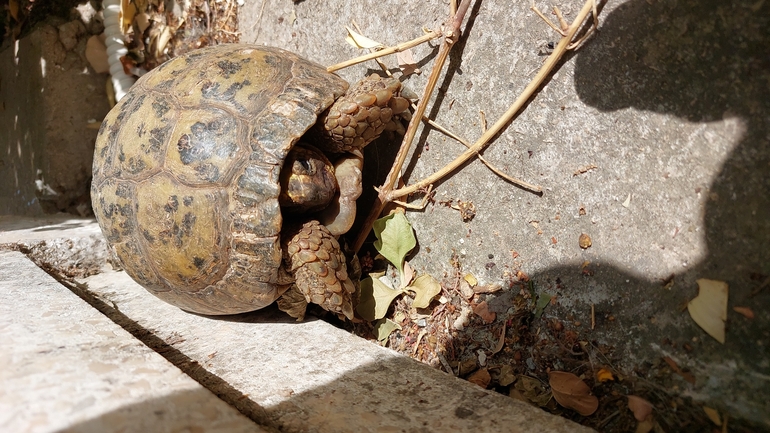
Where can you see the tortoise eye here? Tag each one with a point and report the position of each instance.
(304, 166)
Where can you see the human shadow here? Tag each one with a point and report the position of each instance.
(701, 61)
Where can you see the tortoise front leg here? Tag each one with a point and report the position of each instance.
(360, 116)
(314, 257)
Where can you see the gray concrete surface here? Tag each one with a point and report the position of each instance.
(67, 367)
(669, 101)
(286, 376)
(51, 100)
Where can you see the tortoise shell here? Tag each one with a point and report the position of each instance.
(186, 173)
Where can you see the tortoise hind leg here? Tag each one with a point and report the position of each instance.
(315, 259)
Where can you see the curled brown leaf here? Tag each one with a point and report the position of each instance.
(571, 392)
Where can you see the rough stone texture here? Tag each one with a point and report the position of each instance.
(310, 376)
(50, 97)
(289, 376)
(66, 367)
(670, 102)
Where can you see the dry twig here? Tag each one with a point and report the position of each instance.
(386, 193)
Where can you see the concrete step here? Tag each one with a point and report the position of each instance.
(286, 376)
(67, 367)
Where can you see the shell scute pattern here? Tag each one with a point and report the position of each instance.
(204, 145)
(186, 172)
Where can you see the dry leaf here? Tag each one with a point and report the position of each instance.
(127, 12)
(161, 40)
(627, 203)
(572, 393)
(480, 377)
(407, 276)
(500, 341)
(604, 375)
(472, 281)
(96, 54)
(406, 62)
(530, 390)
(488, 288)
(713, 415)
(142, 22)
(360, 41)
(482, 310)
(746, 311)
(640, 407)
(13, 9)
(645, 426)
(709, 308)
(507, 375)
(465, 289)
(687, 376)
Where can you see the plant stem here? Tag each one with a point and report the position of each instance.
(450, 37)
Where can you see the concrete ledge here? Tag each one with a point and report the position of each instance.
(311, 376)
(287, 376)
(67, 367)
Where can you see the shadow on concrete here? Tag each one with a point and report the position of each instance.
(702, 62)
(182, 411)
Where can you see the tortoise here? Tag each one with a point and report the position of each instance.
(223, 177)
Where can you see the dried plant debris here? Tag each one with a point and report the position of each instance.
(19, 17)
(157, 30)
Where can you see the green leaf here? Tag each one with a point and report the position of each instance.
(425, 288)
(395, 238)
(375, 299)
(383, 328)
(542, 302)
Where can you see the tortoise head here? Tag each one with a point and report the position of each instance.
(307, 181)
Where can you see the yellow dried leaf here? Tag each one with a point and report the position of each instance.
(488, 288)
(360, 41)
(471, 280)
(530, 390)
(142, 22)
(604, 375)
(709, 308)
(425, 288)
(713, 415)
(127, 12)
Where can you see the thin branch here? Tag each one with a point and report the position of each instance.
(433, 34)
(385, 196)
(501, 123)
